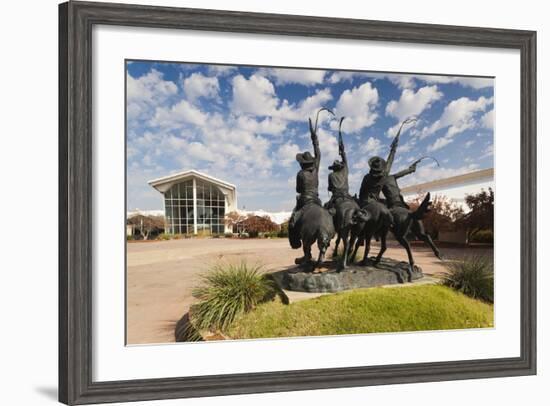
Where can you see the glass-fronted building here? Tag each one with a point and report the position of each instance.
(195, 203)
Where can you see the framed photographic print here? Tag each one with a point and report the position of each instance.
(257, 202)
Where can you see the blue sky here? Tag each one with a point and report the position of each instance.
(245, 125)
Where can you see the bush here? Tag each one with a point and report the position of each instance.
(283, 233)
(473, 276)
(228, 235)
(165, 237)
(228, 291)
(483, 236)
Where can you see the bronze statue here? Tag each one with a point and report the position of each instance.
(403, 220)
(310, 221)
(379, 179)
(348, 216)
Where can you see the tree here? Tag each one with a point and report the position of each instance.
(147, 225)
(254, 225)
(443, 214)
(481, 215)
(235, 220)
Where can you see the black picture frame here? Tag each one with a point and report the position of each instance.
(76, 20)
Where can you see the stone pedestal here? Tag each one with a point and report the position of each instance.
(328, 279)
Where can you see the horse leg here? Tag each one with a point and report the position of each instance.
(368, 238)
(352, 243)
(306, 247)
(383, 247)
(403, 241)
(337, 244)
(345, 239)
(357, 245)
(420, 232)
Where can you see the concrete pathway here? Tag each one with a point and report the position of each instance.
(162, 274)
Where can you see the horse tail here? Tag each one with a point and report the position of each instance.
(323, 240)
(423, 209)
(294, 237)
(325, 232)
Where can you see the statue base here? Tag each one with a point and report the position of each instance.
(327, 278)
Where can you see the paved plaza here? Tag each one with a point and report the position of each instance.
(162, 274)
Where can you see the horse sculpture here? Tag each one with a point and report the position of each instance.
(314, 226)
(377, 223)
(348, 217)
(403, 220)
(406, 221)
(310, 221)
(349, 221)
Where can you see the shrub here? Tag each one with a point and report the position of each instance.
(283, 232)
(483, 236)
(472, 276)
(228, 291)
(165, 237)
(228, 235)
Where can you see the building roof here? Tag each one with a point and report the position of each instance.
(190, 174)
(453, 181)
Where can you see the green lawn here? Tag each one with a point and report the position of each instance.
(375, 310)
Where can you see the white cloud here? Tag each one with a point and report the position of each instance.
(458, 116)
(197, 85)
(150, 87)
(221, 70)
(145, 93)
(339, 76)
(488, 119)
(413, 103)
(408, 146)
(489, 151)
(440, 143)
(268, 125)
(403, 81)
(178, 115)
(372, 146)
(430, 172)
(358, 106)
(407, 81)
(308, 107)
(307, 77)
(287, 153)
(254, 96)
(476, 83)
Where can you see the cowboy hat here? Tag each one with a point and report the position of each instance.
(305, 158)
(377, 165)
(336, 165)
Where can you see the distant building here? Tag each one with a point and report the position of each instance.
(195, 202)
(454, 188)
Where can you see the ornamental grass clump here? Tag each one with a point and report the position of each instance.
(473, 276)
(228, 291)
